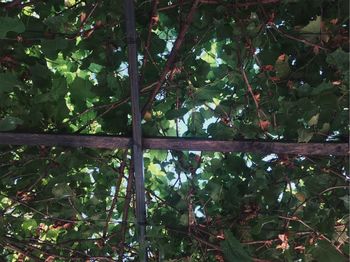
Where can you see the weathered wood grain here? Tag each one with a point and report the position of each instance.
(172, 143)
(137, 154)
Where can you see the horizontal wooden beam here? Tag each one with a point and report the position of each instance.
(173, 143)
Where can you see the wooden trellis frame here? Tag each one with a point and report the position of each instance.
(174, 143)
(137, 157)
(137, 143)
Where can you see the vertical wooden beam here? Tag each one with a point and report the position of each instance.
(136, 127)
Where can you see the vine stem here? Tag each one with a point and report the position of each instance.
(316, 232)
(152, 22)
(178, 42)
(304, 41)
(116, 193)
(126, 211)
(217, 2)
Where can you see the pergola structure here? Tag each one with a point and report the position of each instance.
(138, 143)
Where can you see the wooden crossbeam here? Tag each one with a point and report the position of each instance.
(173, 143)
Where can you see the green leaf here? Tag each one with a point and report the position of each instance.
(304, 135)
(10, 24)
(323, 87)
(52, 47)
(62, 190)
(207, 93)
(176, 113)
(221, 131)
(346, 200)
(8, 81)
(160, 155)
(195, 123)
(233, 250)
(313, 26)
(80, 91)
(323, 251)
(9, 123)
(184, 219)
(215, 190)
(29, 225)
(340, 59)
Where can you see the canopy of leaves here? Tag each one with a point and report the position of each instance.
(264, 70)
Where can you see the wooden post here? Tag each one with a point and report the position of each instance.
(136, 127)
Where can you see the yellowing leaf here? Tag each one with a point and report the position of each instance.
(314, 120)
(313, 26)
(69, 3)
(300, 196)
(155, 170)
(282, 66)
(325, 128)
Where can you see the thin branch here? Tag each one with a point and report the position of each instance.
(152, 22)
(20, 251)
(316, 232)
(250, 89)
(116, 193)
(304, 41)
(172, 56)
(217, 2)
(334, 187)
(126, 211)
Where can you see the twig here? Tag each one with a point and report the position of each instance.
(298, 39)
(316, 232)
(172, 56)
(217, 2)
(215, 247)
(126, 211)
(152, 22)
(116, 193)
(332, 188)
(20, 251)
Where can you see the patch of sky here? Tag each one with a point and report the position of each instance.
(256, 68)
(270, 157)
(333, 136)
(183, 126)
(169, 45)
(345, 174)
(198, 212)
(123, 69)
(281, 23)
(139, 58)
(293, 187)
(248, 161)
(160, 96)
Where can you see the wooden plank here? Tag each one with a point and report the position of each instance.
(247, 146)
(137, 154)
(106, 142)
(173, 143)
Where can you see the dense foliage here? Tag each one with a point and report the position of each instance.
(266, 70)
